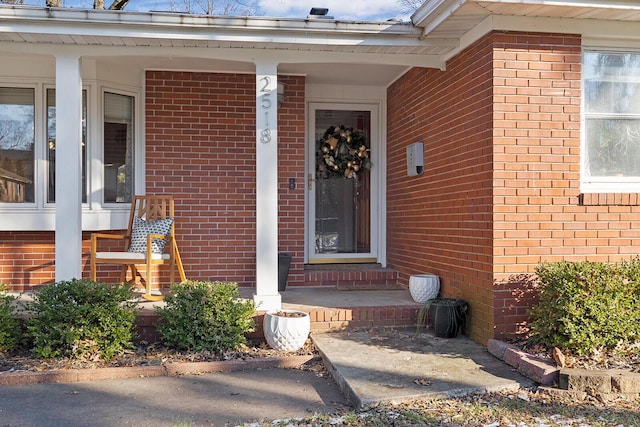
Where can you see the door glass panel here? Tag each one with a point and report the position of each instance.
(343, 182)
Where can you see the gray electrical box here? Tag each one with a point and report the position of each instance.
(415, 159)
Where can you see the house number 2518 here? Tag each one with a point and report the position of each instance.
(265, 134)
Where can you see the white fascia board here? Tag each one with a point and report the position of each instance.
(598, 4)
(594, 29)
(219, 34)
(231, 54)
(588, 27)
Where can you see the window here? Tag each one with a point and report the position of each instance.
(118, 147)
(112, 159)
(611, 131)
(17, 143)
(51, 145)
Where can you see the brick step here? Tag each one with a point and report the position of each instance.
(322, 319)
(602, 381)
(351, 276)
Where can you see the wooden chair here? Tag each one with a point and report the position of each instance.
(150, 240)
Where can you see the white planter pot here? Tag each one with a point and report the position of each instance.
(424, 287)
(286, 333)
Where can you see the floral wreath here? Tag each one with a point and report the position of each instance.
(342, 152)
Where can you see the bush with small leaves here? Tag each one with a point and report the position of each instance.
(205, 316)
(588, 306)
(9, 326)
(82, 319)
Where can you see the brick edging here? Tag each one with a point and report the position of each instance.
(605, 381)
(528, 365)
(172, 369)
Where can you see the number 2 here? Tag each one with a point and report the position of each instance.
(267, 80)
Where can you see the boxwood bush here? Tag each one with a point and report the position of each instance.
(588, 306)
(9, 326)
(205, 316)
(82, 319)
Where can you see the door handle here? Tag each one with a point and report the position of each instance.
(311, 181)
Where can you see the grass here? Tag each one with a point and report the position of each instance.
(517, 409)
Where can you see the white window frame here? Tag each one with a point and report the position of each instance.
(37, 150)
(377, 144)
(599, 184)
(96, 215)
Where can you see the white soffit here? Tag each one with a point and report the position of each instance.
(468, 20)
(454, 18)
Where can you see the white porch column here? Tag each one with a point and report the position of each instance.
(266, 296)
(68, 168)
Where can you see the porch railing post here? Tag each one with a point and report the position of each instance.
(68, 144)
(267, 297)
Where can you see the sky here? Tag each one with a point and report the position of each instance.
(367, 10)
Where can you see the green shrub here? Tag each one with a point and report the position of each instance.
(205, 316)
(9, 325)
(82, 319)
(588, 306)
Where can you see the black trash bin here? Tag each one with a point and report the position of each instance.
(284, 261)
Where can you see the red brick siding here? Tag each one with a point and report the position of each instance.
(538, 213)
(537, 167)
(200, 134)
(200, 139)
(440, 222)
(26, 259)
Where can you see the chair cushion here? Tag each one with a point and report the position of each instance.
(130, 256)
(142, 228)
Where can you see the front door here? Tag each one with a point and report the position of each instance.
(341, 185)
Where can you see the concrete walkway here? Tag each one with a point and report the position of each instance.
(368, 366)
(194, 400)
(392, 366)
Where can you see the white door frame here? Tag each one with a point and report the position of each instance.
(378, 206)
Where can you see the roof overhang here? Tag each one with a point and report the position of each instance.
(326, 49)
(467, 20)
(311, 39)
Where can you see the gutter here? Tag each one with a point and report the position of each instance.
(169, 19)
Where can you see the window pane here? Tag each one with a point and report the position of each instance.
(612, 97)
(613, 147)
(118, 147)
(612, 83)
(17, 139)
(51, 145)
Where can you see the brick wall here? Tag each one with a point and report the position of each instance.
(200, 147)
(441, 222)
(537, 168)
(200, 134)
(540, 214)
(26, 259)
(530, 124)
